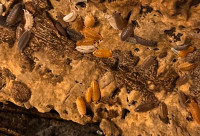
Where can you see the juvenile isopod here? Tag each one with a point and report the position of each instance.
(186, 66)
(95, 91)
(29, 20)
(163, 113)
(81, 106)
(88, 95)
(70, 17)
(182, 99)
(60, 29)
(15, 15)
(23, 41)
(86, 48)
(182, 80)
(86, 41)
(148, 62)
(73, 35)
(145, 42)
(90, 33)
(145, 107)
(111, 21)
(184, 53)
(89, 21)
(195, 111)
(120, 21)
(102, 53)
(127, 32)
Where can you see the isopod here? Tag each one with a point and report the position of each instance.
(182, 99)
(89, 21)
(23, 41)
(145, 107)
(60, 29)
(90, 33)
(15, 14)
(86, 48)
(111, 21)
(195, 111)
(29, 20)
(70, 17)
(102, 53)
(127, 32)
(182, 80)
(1, 9)
(120, 21)
(186, 66)
(148, 62)
(95, 91)
(88, 95)
(81, 106)
(86, 41)
(145, 42)
(73, 35)
(61, 21)
(163, 113)
(184, 53)
(181, 47)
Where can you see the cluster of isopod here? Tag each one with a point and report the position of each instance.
(14, 17)
(92, 94)
(127, 34)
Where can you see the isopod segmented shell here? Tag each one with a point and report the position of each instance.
(127, 32)
(23, 41)
(70, 17)
(73, 35)
(81, 106)
(15, 14)
(89, 21)
(29, 20)
(88, 95)
(186, 66)
(120, 21)
(147, 62)
(195, 111)
(111, 21)
(90, 33)
(102, 53)
(163, 113)
(145, 107)
(96, 94)
(86, 48)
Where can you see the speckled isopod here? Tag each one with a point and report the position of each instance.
(15, 14)
(81, 106)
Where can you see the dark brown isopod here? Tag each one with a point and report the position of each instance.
(163, 113)
(24, 39)
(73, 35)
(120, 21)
(182, 99)
(60, 29)
(181, 47)
(15, 14)
(145, 42)
(61, 21)
(182, 80)
(145, 107)
(127, 32)
(147, 62)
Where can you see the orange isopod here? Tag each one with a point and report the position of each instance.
(95, 91)
(195, 111)
(86, 41)
(102, 53)
(184, 53)
(89, 21)
(88, 95)
(90, 33)
(81, 106)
